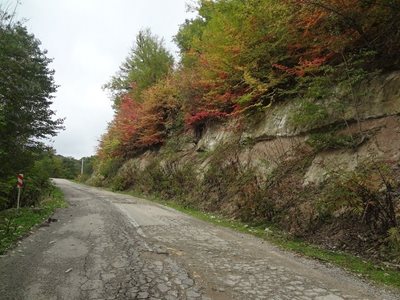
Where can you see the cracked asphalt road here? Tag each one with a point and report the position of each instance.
(113, 246)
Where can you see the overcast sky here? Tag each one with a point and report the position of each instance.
(88, 40)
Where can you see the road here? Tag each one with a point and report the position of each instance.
(113, 246)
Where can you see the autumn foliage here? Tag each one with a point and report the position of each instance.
(240, 56)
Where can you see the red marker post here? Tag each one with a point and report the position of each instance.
(20, 183)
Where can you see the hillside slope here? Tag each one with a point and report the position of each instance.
(278, 112)
(333, 182)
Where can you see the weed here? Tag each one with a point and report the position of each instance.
(16, 223)
(331, 141)
(365, 194)
(393, 240)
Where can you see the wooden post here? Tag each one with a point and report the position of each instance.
(18, 197)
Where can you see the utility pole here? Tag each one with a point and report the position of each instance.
(82, 167)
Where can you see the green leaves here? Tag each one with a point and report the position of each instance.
(26, 88)
(148, 62)
(26, 92)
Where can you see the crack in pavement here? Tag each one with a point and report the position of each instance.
(121, 247)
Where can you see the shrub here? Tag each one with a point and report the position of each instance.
(393, 241)
(365, 195)
(331, 141)
(7, 192)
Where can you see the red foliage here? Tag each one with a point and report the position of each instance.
(203, 116)
(304, 66)
(226, 98)
(146, 124)
(324, 30)
(126, 118)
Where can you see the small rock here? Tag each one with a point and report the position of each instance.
(192, 294)
(69, 270)
(319, 290)
(163, 288)
(107, 276)
(161, 251)
(229, 282)
(143, 295)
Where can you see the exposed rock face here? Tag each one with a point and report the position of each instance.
(378, 98)
(276, 137)
(381, 97)
(383, 146)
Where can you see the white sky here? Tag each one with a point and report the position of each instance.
(88, 40)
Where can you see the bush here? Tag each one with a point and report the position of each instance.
(36, 186)
(365, 195)
(331, 141)
(109, 167)
(7, 192)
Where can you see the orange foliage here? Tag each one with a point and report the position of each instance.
(328, 29)
(203, 116)
(158, 114)
(138, 126)
(126, 118)
(242, 58)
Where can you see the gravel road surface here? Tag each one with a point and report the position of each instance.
(113, 246)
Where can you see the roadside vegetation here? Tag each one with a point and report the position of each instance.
(15, 224)
(26, 120)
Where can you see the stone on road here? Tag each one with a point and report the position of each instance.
(113, 246)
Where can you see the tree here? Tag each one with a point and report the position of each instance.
(241, 57)
(148, 62)
(232, 46)
(26, 89)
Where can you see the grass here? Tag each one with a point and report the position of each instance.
(377, 273)
(15, 224)
(357, 265)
